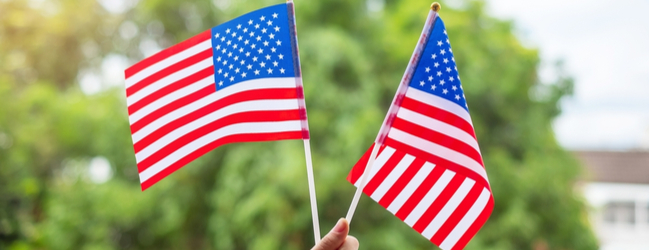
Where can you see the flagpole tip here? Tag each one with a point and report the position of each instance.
(435, 6)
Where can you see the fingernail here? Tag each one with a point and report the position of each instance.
(340, 226)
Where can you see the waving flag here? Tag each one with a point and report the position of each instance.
(429, 171)
(237, 82)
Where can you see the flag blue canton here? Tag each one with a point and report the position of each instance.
(252, 46)
(436, 72)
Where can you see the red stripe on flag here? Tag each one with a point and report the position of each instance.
(181, 102)
(439, 203)
(256, 94)
(189, 61)
(401, 182)
(437, 160)
(255, 116)
(419, 193)
(379, 177)
(162, 55)
(478, 223)
(199, 75)
(357, 170)
(438, 138)
(457, 215)
(207, 148)
(438, 114)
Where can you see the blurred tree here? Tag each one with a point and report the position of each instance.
(254, 195)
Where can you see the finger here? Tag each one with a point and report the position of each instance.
(350, 243)
(335, 238)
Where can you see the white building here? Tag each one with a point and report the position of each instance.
(616, 187)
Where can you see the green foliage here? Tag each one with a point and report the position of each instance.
(254, 195)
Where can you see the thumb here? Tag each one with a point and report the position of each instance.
(335, 238)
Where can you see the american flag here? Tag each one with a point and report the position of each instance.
(237, 82)
(429, 171)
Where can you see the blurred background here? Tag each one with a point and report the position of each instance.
(558, 93)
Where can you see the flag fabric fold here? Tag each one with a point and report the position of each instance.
(237, 82)
(429, 170)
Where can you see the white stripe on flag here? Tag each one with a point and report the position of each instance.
(156, 67)
(429, 198)
(438, 126)
(239, 128)
(410, 187)
(467, 220)
(438, 150)
(286, 82)
(439, 102)
(240, 107)
(167, 99)
(449, 208)
(378, 164)
(392, 177)
(167, 80)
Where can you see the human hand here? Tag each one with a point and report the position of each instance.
(338, 238)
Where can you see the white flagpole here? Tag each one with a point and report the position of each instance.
(392, 111)
(357, 194)
(312, 191)
(305, 126)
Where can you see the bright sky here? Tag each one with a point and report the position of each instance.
(605, 48)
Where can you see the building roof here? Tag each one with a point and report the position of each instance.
(612, 166)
